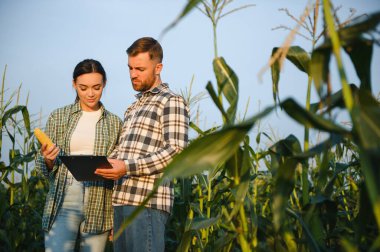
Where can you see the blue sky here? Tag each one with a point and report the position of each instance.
(42, 41)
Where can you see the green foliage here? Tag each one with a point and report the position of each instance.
(228, 84)
(22, 192)
(21, 221)
(357, 47)
(298, 56)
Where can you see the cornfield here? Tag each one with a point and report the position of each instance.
(230, 196)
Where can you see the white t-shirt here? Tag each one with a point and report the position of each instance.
(83, 138)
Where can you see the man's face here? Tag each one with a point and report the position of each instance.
(144, 72)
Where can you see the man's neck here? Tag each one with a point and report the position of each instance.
(156, 83)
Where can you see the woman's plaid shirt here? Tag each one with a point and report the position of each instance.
(60, 127)
(155, 130)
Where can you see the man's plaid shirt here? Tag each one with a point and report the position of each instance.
(155, 130)
(60, 127)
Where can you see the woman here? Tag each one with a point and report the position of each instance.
(79, 209)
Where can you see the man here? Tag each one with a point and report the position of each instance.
(155, 130)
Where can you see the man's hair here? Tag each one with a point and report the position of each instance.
(146, 44)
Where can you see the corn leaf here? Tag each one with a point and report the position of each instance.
(191, 4)
(243, 172)
(216, 101)
(366, 115)
(228, 84)
(359, 26)
(301, 115)
(275, 72)
(366, 118)
(298, 56)
(332, 101)
(185, 241)
(200, 223)
(319, 68)
(283, 168)
(360, 52)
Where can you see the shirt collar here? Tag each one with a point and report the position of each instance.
(76, 108)
(154, 91)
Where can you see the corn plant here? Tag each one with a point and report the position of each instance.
(22, 192)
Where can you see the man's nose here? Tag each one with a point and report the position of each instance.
(132, 73)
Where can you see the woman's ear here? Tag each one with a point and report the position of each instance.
(74, 85)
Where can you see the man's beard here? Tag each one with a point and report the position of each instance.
(144, 86)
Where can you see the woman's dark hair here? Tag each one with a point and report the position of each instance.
(88, 66)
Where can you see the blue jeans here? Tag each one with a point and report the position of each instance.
(70, 220)
(145, 233)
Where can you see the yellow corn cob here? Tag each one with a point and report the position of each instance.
(42, 137)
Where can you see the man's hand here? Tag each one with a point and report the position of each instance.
(117, 171)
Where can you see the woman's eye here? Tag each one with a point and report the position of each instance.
(83, 89)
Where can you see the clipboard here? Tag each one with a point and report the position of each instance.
(82, 167)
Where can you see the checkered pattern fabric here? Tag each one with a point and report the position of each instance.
(60, 127)
(155, 129)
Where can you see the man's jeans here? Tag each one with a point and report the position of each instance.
(70, 221)
(145, 233)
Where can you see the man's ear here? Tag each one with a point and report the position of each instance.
(158, 68)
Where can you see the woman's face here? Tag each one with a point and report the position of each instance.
(89, 88)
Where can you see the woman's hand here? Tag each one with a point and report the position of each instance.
(49, 155)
